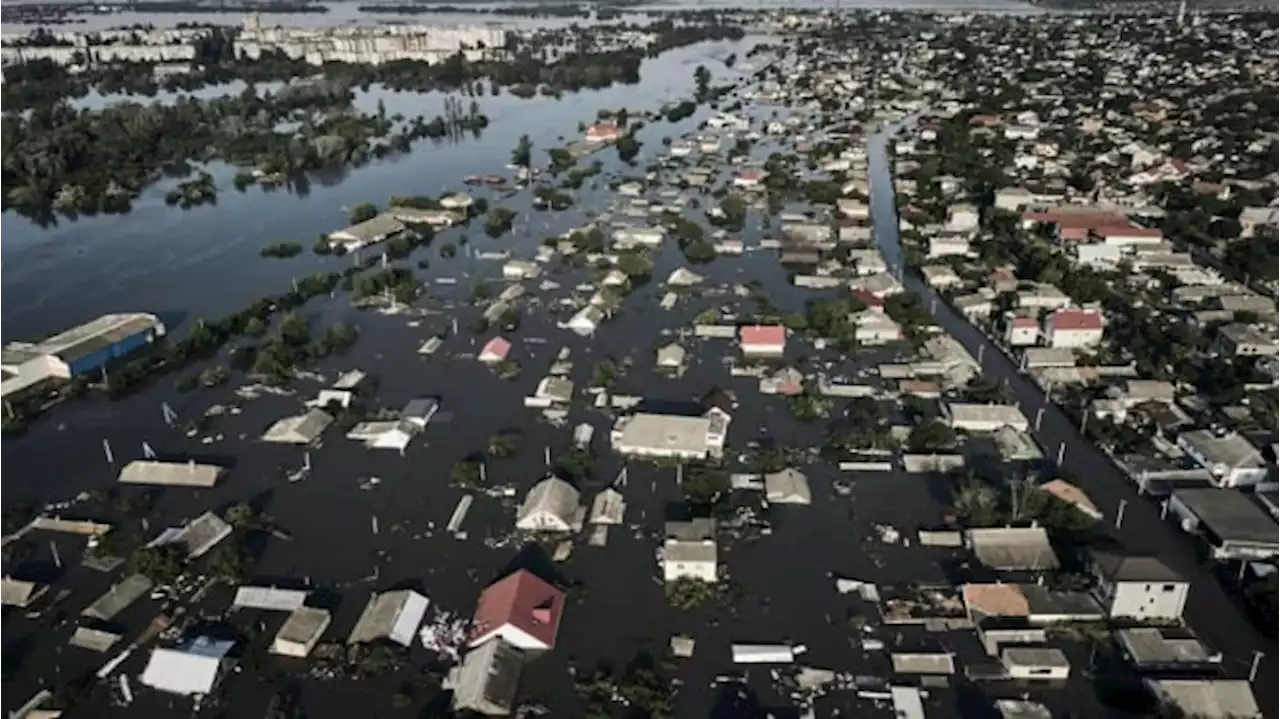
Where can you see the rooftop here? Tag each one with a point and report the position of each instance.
(1231, 515)
(521, 600)
(173, 474)
(1208, 698)
(1164, 646)
(1134, 568)
(390, 615)
(1013, 548)
(663, 432)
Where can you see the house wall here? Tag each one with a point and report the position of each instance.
(763, 350)
(97, 359)
(1074, 338)
(1022, 336)
(1039, 673)
(1144, 600)
(514, 636)
(542, 521)
(701, 571)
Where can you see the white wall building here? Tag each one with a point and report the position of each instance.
(1138, 587)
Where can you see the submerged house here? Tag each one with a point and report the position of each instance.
(522, 610)
(551, 506)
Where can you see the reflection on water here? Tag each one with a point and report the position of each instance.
(205, 261)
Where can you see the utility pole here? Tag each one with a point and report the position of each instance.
(1062, 452)
(1039, 416)
(1120, 513)
(1257, 661)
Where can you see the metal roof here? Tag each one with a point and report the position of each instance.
(172, 474)
(271, 599)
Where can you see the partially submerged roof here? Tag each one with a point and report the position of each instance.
(299, 429)
(608, 507)
(304, 626)
(118, 598)
(1013, 548)
(193, 670)
(923, 662)
(1071, 494)
(172, 474)
(95, 640)
(523, 601)
(790, 486)
(198, 536)
(552, 496)
(18, 593)
(1164, 647)
(390, 615)
(487, 680)
(271, 599)
(1208, 698)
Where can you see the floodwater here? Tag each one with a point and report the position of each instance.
(205, 263)
(160, 259)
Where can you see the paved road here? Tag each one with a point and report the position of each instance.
(1210, 611)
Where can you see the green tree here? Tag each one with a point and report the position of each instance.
(522, 156)
(362, 212)
(704, 486)
(161, 564)
(931, 436)
(294, 330)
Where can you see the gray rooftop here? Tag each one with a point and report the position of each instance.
(172, 474)
(1134, 568)
(118, 598)
(1034, 657)
(1231, 515)
(1208, 698)
(488, 678)
(1164, 647)
(1013, 548)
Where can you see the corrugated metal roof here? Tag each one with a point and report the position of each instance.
(271, 599)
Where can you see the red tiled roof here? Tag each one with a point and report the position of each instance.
(521, 600)
(763, 335)
(750, 175)
(1066, 320)
(868, 298)
(498, 347)
(1078, 218)
(1024, 322)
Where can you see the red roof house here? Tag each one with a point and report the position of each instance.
(1073, 328)
(495, 351)
(868, 298)
(522, 609)
(763, 339)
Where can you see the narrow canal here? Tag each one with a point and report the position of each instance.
(1210, 610)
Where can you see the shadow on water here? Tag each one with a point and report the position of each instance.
(738, 701)
(534, 559)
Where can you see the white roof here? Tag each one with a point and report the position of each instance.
(300, 429)
(1210, 698)
(174, 474)
(662, 432)
(181, 672)
(393, 615)
(269, 598)
(553, 496)
(789, 486)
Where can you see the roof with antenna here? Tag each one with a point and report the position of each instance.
(171, 474)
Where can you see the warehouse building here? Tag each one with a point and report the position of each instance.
(77, 351)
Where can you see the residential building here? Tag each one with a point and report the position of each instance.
(394, 616)
(1167, 649)
(1066, 492)
(1230, 458)
(665, 435)
(948, 246)
(962, 217)
(973, 417)
(763, 340)
(495, 351)
(789, 486)
(1037, 663)
(192, 670)
(370, 232)
(1013, 548)
(748, 179)
(301, 632)
(522, 610)
(1138, 587)
(1073, 328)
(1239, 340)
(1205, 698)
(1022, 331)
(689, 551)
(671, 356)
(551, 505)
(487, 679)
(940, 276)
(604, 132)
(1233, 524)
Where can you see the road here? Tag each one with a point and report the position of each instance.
(1210, 610)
